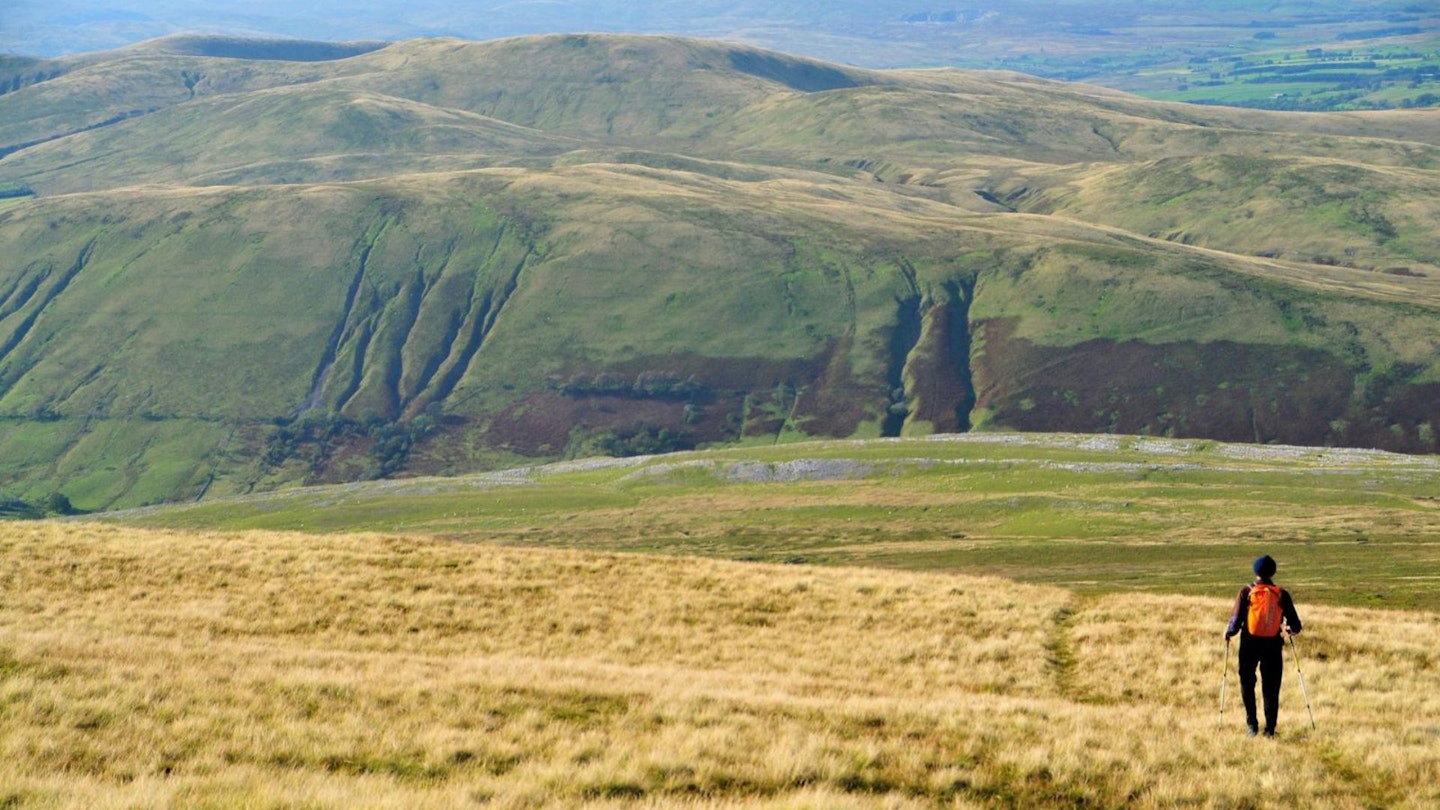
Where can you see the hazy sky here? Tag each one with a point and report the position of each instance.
(48, 27)
(55, 27)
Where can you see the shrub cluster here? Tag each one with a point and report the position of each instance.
(316, 438)
(647, 385)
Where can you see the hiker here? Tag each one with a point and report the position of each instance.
(1263, 613)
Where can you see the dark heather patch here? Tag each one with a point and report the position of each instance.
(1221, 390)
(722, 399)
(282, 50)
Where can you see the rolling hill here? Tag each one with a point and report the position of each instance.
(225, 270)
(1321, 54)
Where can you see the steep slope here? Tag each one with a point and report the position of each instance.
(440, 256)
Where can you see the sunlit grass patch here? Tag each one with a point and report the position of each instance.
(145, 668)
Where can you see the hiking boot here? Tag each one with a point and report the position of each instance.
(1254, 729)
(1269, 732)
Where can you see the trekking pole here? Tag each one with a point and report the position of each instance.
(1224, 675)
(1303, 691)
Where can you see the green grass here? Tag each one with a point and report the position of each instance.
(1343, 213)
(1347, 76)
(150, 461)
(1099, 514)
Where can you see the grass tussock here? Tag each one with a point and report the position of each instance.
(145, 668)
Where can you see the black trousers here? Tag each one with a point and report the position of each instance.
(1268, 655)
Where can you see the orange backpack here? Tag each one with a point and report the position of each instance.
(1265, 616)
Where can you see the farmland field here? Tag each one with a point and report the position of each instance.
(1342, 76)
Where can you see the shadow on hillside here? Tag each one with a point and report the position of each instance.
(283, 50)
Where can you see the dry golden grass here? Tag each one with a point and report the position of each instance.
(142, 668)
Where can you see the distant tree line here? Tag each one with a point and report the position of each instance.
(56, 504)
(647, 385)
(1380, 33)
(1288, 70)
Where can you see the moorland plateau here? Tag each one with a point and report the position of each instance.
(227, 266)
(480, 641)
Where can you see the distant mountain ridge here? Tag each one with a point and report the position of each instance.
(240, 271)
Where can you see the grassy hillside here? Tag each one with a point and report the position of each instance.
(441, 256)
(1094, 514)
(143, 668)
(687, 96)
(1311, 210)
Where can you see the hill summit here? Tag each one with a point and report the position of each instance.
(229, 266)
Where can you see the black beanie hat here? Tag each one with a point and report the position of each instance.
(1265, 567)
